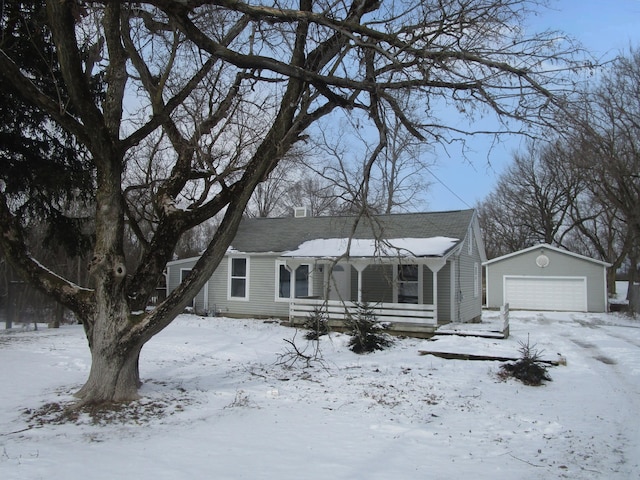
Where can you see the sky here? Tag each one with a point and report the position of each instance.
(604, 27)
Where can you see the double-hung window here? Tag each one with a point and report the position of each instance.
(239, 278)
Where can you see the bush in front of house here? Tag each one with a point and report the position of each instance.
(317, 323)
(528, 368)
(367, 334)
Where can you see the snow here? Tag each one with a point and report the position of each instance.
(407, 247)
(218, 402)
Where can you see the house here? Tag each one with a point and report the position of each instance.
(418, 269)
(543, 277)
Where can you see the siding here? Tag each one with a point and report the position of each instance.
(444, 294)
(261, 301)
(174, 279)
(469, 302)
(262, 291)
(377, 284)
(427, 286)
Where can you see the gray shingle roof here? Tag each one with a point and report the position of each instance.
(261, 235)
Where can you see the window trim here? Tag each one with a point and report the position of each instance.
(246, 278)
(476, 280)
(292, 285)
(281, 263)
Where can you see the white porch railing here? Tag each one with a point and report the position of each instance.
(384, 312)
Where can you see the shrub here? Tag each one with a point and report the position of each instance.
(317, 323)
(528, 369)
(367, 334)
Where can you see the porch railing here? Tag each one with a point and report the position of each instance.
(300, 308)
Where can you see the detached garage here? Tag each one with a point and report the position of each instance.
(547, 278)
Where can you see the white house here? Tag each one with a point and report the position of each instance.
(418, 269)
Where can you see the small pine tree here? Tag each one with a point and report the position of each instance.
(528, 369)
(367, 334)
(317, 323)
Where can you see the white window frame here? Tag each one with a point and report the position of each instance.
(470, 243)
(246, 278)
(292, 285)
(280, 263)
(476, 280)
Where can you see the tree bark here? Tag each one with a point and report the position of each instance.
(114, 376)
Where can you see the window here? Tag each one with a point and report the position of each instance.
(476, 279)
(183, 273)
(301, 281)
(284, 281)
(239, 278)
(408, 282)
(470, 243)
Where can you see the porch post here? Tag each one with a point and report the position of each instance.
(435, 264)
(435, 295)
(360, 267)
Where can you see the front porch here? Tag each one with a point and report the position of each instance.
(404, 292)
(417, 320)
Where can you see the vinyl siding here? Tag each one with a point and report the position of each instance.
(444, 294)
(377, 284)
(427, 285)
(174, 273)
(468, 298)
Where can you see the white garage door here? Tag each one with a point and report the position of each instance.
(546, 293)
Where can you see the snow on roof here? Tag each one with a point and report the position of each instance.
(392, 247)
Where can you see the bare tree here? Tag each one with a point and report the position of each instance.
(402, 168)
(605, 137)
(342, 158)
(532, 201)
(600, 233)
(224, 90)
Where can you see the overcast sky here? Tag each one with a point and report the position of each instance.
(605, 27)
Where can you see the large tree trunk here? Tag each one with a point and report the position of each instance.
(114, 374)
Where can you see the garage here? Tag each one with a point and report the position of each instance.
(544, 277)
(546, 293)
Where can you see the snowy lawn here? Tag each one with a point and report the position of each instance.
(217, 404)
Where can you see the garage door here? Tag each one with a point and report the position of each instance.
(546, 293)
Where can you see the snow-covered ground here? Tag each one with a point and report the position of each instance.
(219, 404)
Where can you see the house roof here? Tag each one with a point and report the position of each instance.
(546, 246)
(444, 230)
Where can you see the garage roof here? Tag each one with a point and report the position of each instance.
(549, 247)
